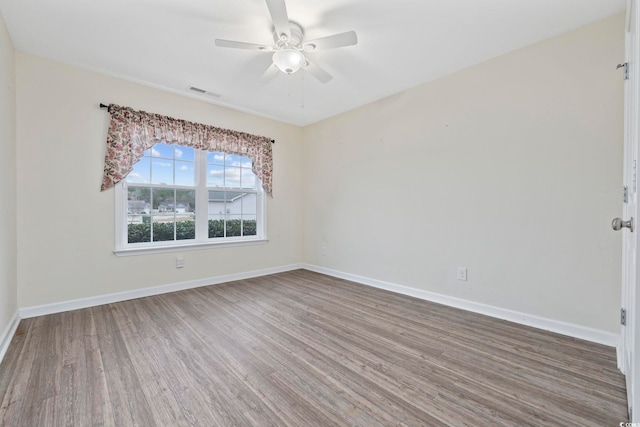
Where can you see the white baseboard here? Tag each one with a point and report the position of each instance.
(564, 328)
(7, 334)
(60, 307)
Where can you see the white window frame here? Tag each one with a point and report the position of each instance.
(202, 240)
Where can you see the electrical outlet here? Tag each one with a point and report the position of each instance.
(324, 251)
(179, 262)
(462, 274)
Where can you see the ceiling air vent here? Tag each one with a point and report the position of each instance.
(204, 92)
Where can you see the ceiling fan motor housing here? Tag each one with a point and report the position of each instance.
(294, 41)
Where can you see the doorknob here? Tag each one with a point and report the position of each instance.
(618, 223)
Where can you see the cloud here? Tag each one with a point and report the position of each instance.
(178, 152)
(162, 164)
(232, 176)
(137, 178)
(155, 153)
(184, 168)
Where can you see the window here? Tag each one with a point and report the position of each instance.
(177, 197)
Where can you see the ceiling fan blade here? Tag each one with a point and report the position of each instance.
(278, 11)
(331, 42)
(241, 45)
(317, 72)
(269, 73)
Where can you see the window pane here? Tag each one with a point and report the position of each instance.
(162, 171)
(186, 228)
(138, 218)
(232, 177)
(249, 225)
(185, 202)
(185, 173)
(233, 226)
(233, 160)
(138, 200)
(163, 200)
(163, 204)
(215, 158)
(163, 214)
(183, 153)
(234, 202)
(185, 214)
(217, 212)
(248, 179)
(215, 176)
(138, 228)
(216, 226)
(163, 228)
(141, 172)
(250, 204)
(162, 150)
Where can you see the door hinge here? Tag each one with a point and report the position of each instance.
(625, 194)
(623, 317)
(625, 74)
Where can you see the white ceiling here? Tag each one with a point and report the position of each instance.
(402, 43)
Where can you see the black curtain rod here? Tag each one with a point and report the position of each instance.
(273, 141)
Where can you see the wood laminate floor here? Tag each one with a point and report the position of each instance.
(300, 349)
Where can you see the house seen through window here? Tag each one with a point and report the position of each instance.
(179, 195)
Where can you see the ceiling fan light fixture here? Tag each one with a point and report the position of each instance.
(288, 60)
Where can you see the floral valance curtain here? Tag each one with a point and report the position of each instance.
(132, 132)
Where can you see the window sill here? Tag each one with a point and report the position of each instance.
(186, 247)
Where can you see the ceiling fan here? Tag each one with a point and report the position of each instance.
(289, 48)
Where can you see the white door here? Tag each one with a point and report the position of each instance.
(629, 356)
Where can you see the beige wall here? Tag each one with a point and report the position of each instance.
(511, 168)
(66, 225)
(8, 281)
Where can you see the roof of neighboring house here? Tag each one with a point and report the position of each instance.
(225, 196)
